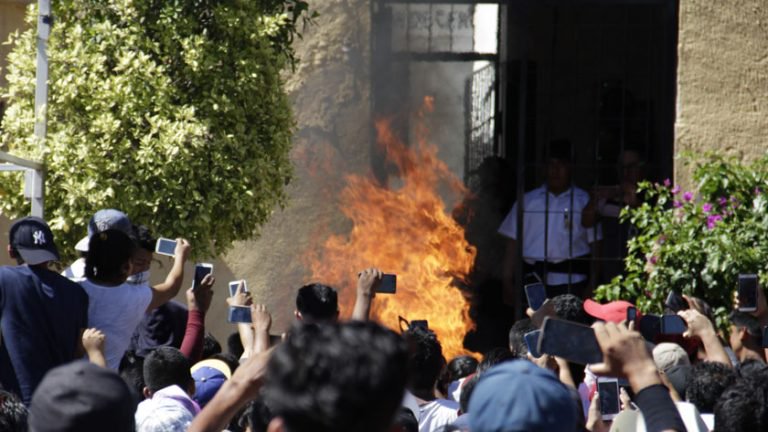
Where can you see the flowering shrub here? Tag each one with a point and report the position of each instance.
(697, 244)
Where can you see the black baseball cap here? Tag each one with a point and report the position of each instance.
(32, 239)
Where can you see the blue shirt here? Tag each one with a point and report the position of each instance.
(41, 316)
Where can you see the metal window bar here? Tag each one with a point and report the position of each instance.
(481, 114)
(34, 179)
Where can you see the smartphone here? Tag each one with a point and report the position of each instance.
(610, 404)
(675, 302)
(673, 324)
(388, 284)
(536, 294)
(650, 327)
(239, 314)
(572, 341)
(201, 269)
(631, 314)
(765, 337)
(748, 292)
(532, 341)
(234, 285)
(420, 324)
(165, 246)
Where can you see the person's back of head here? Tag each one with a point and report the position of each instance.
(31, 242)
(458, 368)
(211, 346)
(405, 421)
(131, 370)
(516, 337)
(164, 367)
(317, 303)
(109, 257)
(706, 382)
(571, 308)
(13, 413)
(746, 334)
(81, 396)
(336, 377)
(742, 407)
(494, 357)
(426, 359)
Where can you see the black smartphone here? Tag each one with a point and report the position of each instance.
(572, 341)
(532, 341)
(748, 292)
(649, 326)
(631, 314)
(765, 337)
(673, 324)
(239, 314)
(536, 294)
(610, 404)
(424, 324)
(201, 270)
(388, 284)
(675, 302)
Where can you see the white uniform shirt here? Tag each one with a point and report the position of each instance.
(560, 226)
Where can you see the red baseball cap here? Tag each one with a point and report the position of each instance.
(615, 311)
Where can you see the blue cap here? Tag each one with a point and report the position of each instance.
(104, 220)
(32, 239)
(520, 396)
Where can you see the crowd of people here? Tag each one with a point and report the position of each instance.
(98, 347)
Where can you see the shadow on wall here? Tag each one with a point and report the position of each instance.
(215, 320)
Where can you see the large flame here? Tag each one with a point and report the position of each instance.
(405, 230)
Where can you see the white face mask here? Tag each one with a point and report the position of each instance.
(139, 278)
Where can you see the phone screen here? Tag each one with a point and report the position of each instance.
(631, 314)
(610, 405)
(572, 341)
(765, 337)
(675, 302)
(388, 284)
(424, 324)
(536, 294)
(166, 246)
(234, 285)
(532, 341)
(747, 292)
(239, 314)
(201, 270)
(650, 326)
(672, 324)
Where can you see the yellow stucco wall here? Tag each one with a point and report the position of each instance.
(11, 19)
(722, 100)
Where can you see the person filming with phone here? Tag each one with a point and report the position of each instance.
(555, 245)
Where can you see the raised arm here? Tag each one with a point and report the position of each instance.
(198, 302)
(262, 322)
(367, 282)
(164, 292)
(699, 325)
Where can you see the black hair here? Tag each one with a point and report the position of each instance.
(108, 252)
(516, 337)
(337, 377)
(131, 370)
(494, 357)
(235, 345)
(753, 370)
(143, 238)
(426, 359)
(571, 308)
(742, 407)
(211, 346)
(13, 413)
(466, 392)
(166, 366)
(706, 382)
(743, 320)
(317, 302)
(231, 361)
(459, 367)
(406, 420)
(256, 416)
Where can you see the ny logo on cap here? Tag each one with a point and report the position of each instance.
(39, 237)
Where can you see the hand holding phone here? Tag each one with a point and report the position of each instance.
(536, 294)
(201, 271)
(572, 341)
(165, 246)
(610, 404)
(631, 314)
(237, 286)
(747, 293)
(388, 284)
(675, 302)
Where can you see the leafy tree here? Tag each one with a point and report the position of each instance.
(697, 243)
(173, 111)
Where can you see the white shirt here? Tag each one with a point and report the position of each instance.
(116, 311)
(552, 229)
(435, 415)
(76, 271)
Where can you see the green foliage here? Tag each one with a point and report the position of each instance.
(172, 111)
(697, 245)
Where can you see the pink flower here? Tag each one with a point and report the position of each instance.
(757, 191)
(667, 183)
(722, 201)
(706, 208)
(688, 196)
(677, 204)
(712, 220)
(675, 190)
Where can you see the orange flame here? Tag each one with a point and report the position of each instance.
(406, 231)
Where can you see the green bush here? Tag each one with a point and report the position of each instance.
(173, 111)
(697, 244)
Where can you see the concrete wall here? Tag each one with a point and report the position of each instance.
(11, 19)
(722, 79)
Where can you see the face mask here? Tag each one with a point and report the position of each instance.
(138, 278)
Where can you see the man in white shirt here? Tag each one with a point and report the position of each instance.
(555, 244)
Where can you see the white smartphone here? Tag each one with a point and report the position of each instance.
(201, 270)
(234, 285)
(165, 246)
(610, 404)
